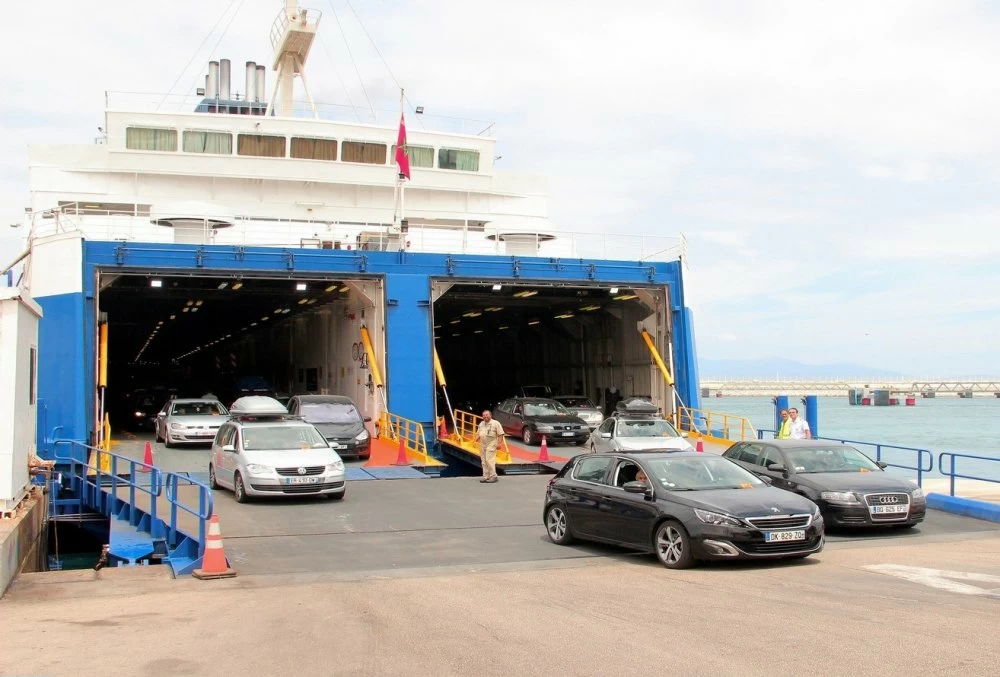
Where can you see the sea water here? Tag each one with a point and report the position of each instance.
(966, 426)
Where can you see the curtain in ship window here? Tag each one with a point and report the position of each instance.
(145, 138)
(260, 145)
(216, 143)
(420, 156)
(462, 160)
(359, 151)
(314, 149)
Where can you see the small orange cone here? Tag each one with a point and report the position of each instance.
(543, 453)
(700, 446)
(214, 563)
(147, 459)
(401, 456)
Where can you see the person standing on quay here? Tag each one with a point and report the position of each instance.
(490, 434)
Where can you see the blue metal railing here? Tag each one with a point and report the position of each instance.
(91, 489)
(203, 514)
(951, 473)
(921, 454)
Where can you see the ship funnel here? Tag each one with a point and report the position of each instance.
(212, 85)
(251, 82)
(224, 90)
(261, 71)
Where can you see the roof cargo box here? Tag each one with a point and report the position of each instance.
(636, 406)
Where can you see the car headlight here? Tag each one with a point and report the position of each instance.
(335, 467)
(139, 414)
(258, 469)
(545, 428)
(917, 493)
(176, 426)
(816, 512)
(716, 518)
(844, 497)
(362, 436)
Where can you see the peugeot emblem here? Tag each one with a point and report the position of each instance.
(302, 471)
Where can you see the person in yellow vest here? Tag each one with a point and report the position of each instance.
(785, 429)
(490, 434)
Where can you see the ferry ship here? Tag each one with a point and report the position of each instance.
(225, 237)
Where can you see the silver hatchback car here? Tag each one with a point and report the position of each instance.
(189, 421)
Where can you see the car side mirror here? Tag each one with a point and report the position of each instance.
(636, 487)
(368, 419)
(777, 467)
(606, 436)
(882, 464)
(231, 448)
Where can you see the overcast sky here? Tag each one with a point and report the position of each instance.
(834, 166)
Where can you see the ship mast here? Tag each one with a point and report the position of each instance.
(292, 35)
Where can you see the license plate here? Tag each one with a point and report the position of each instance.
(889, 509)
(776, 536)
(567, 434)
(301, 480)
(337, 445)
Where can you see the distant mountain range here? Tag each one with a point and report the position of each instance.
(776, 368)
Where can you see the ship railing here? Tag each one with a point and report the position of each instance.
(396, 429)
(304, 17)
(130, 225)
(922, 459)
(714, 424)
(347, 114)
(950, 469)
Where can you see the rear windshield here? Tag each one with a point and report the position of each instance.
(282, 438)
(330, 412)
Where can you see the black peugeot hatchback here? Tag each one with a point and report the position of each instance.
(684, 506)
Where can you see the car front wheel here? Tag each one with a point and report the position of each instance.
(211, 478)
(673, 546)
(557, 526)
(240, 491)
(526, 436)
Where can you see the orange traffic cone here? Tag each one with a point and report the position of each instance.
(214, 563)
(401, 456)
(700, 446)
(147, 458)
(543, 453)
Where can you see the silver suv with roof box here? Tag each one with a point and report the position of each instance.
(637, 425)
(262, 450)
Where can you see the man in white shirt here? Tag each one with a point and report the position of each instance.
(798, 429)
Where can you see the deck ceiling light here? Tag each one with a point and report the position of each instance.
(300, 286)
(223, 285)
(454, 322)
(310, 302)
(286, 311)
(472, 313)
(189, 303)
(626, 297)
(533, 323)
(173, 317)
(502, 327)
(525, 294)
(237, 286)
(330, 288)
(195, 309)
(614, 290)
(590, 307)
(456, 334)
(437, 326)
(156, 283)
(253, 324)
(303, 301)
(185, 309)
(345, 288)
(564, 316)
(198, 302)
(497, 287)
(478, 331)
(493, 309)
(265, 318)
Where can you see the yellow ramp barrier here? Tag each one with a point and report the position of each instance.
(714, 426)
(394, 427)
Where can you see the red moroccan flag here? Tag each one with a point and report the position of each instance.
(401, 158)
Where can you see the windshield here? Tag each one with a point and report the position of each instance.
(577, 402)
(647, 428)
(829, 459)
(330, 412)
(282, 438)
(699, 474)
(209, 408)
(544, 409)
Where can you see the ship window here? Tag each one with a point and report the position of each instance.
(148, 138)
(359, 151)
(261, 145)
(420, 156)
(216, 143)
(314, 149)
(463, 160)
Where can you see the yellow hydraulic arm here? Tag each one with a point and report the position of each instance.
(656, 357)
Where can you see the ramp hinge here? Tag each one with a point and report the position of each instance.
(449, 264)
(239, 252)
(121, 252)
(651, 272)
(199, 257)
(362, 263)
(515, 267)
(592, 271)
(289, 260)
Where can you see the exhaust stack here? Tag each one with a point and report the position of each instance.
(261, 71)
(212, 84)
(225, 93)
(251, 82)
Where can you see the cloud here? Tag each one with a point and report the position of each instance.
(833, 166)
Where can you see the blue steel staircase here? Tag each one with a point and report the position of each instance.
(131, 495)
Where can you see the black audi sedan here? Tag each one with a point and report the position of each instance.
(531, 417)
(851, 489)
(684, 506)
